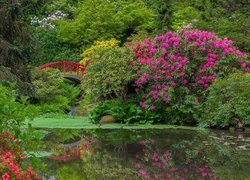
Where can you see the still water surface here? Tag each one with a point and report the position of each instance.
(147, 154)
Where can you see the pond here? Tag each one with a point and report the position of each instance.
(147, 154)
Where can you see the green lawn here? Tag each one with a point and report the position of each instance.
(76, 122)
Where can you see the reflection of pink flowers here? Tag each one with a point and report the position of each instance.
(137, 165)
(143, 142)
(155, 156)
(204, 174)
(157, 176)
(166, 154)
(174, 169)
(158, 164)
(152, 141)
(143, 173)
(169, 175)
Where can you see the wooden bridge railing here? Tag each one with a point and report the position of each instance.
(66, 67)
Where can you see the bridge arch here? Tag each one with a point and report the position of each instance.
(70, 70)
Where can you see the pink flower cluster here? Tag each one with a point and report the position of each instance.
(10, 157)
(190, 58)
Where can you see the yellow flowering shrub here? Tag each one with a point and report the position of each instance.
(88, 53)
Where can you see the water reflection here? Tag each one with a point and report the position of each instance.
(148, 154)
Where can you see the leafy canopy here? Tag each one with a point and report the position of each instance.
(103, 19)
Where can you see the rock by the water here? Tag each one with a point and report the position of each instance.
(107, 119)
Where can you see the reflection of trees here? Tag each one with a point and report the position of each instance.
(96, 161)
(55, 138)
(96, 165)
(120, 140)
(113, 153)
(108, 165)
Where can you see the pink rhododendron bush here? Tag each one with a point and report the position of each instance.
(175, 70)
(11, 160)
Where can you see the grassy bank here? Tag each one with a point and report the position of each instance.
(81, 122)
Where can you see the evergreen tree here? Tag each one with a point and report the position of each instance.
(15, 42)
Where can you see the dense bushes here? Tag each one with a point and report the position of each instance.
(53, 93)
(12, 158)
(125, 112)
(228, 102)
(177, 68)
(172, 72)
(173, 75)
(16, 135)
(14, 111)
(108, 73)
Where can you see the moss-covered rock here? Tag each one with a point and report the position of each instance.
(107, 119)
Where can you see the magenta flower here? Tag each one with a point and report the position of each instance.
(196, 101)
(143, 104)
(189, 59)
(152, 108)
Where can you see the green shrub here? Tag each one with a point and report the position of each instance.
(14, 111)
(124, 112)
(16, 115)
(53, 93)
(109, 74)
(228, 102)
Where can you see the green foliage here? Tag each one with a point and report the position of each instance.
(164, 11)
(108, 74)
(228, 102)
(226, 18)
(88, 53)
(124, 112)
(13, 111)
(182, 110)
(53, 93)
(103, 19)
(50, 49)
(185, 16)
(95, 166)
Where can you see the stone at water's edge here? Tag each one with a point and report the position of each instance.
(107, 119)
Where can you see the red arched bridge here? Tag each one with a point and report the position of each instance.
(70, 70)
